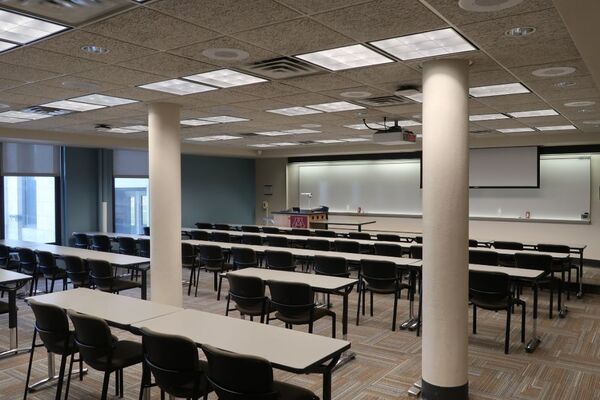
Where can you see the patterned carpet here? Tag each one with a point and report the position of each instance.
(565, 366)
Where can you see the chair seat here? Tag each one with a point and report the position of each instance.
(255, 310)
(292, 392)
(59, 347)
(186, 390)
(56, 274)
(3, 307)
(495, 305)
(386, 288)
(304, 318)
(126, 353)
(122, 284)
(226, 267)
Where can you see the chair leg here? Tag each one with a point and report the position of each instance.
(52, 285)
(310, 327)
(364, 297)
(219, 289)
(121, 385)
(30, 362)
(191, 281)
(227, 306)
(507, 338)
(523, 314)
(215, 281)
(371, 308)
(61, 375)
(395, 309)
(474, 319)
(333, 332)
(46, 284)
(117, 383)
(358, 304)
(105, 385)
(69, 376)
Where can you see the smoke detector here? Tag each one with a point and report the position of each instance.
(487, 5)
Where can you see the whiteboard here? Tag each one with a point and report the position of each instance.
(504, 167)
(393, 187)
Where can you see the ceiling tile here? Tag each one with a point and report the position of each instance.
(227, 16)
(545, 121)
(501, 103)
(525, 73)
(79, 85)
(7, 84)
(408, 109)
(294, 37)
(495, 77)
(137, 94)
(305, 99)
(321, 82)
(381, 19)
(120, 75)
(317, 6)
(394, 72)
(8, 97)
(167, 65)
(269, 89)
(373, 92)
(263, 105)
(150, 28)
(36, 89)
(575, 94)
(32, 57)
(24, 74)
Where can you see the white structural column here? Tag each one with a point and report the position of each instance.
(445, 229)
(164, 157)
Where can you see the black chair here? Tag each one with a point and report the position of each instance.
(146, 230)
(318, 244)
(324, 233)
(359, 235)
(559, 265)
(28, 265)
(507, 260)
(144, 248)
(294, 304)
(52, 326)
(346, 246)
(188, 260)
(331, 266)
(200, 235)
(280, 260)
(243, 258)
(483, 257)
(388, 249)
(250, 228)
(387, 237)
(540, 262)
(271, 229)
(248, 294)
(223, 237)
(380, 277)
(256, 240)
(82, 240)
(416, 251)
(77, 271)
(203, 225)
(418, 239)
(127, 245)
(473, 243)
(491, 291)
(300, 232)
(6, 261)
(48, 269)
(104, 352)
(173, 361)
(101, 243)
(102, 276)
(212, 259)
(277, 241)
(222, 227)
(241, 377)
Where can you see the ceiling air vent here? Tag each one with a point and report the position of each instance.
(307, 142)
(480, 131)
(384, 101)
(248, 134)
(282, 68)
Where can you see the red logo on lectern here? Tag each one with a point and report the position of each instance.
(298, 221)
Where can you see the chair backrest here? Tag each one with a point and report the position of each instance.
(246, 291)
(81, 240)
(318, 244)
(388, 237)
(280, 260)
(200, 235)
(144, 248)
(243, 257)
(359, 235)
(508, 245)
(188, 255)
(333, 266)
(542, 262)
(252, 239)
(127, 245)
(489, 287)
(270, 229)
(93, 338)
(388, 249)
(418, 239)
(416, 252)
(221, 237)
(239, 377)
(210, 255)
(46, 262)
(250, 228)
(76, 270)
(473, 243)
(346, 246)
(324, 233)
(300, 232)
(291, 299)
(173, 360)
(101, 273)
(483, 257)
(52, 325)
(27, 261)
(554, 248)
(222, 227)
(4, 256)
(203, 225)
(277, 241)
(378, 273)
(101, 243)
(146, 230)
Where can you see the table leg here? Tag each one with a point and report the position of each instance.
(415, 389)
(347, 355)
(328, 369)
(12, 325)
(52, 377)
(535, 339)
(144, 284)
(580, 293)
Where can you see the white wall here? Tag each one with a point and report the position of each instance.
(270, 171)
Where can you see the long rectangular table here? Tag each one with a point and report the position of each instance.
(10, 282)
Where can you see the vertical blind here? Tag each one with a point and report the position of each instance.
(130, 163)
(21, 159)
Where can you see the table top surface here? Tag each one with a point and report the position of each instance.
(7, 276)
(315, 281)
(288, 349)
(120, 310)
(113, 258)
(512, 272)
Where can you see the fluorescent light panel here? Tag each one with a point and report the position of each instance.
(285, 144)
(402, 123)
(498, 90)
(427, 44)
(335, 106)
(515, 130)
(345, 57)
(29, 116)
(556, 128)
(225, 78)
(10, 120)
(5, 45)
(533, 113)
(23, 29)
(72, 105)
(223, 119)
(178, 87)
(196, 122)
(329, 141)
(261, 145)
(137, 128)
(287, 132)
(103, 100)
(120, 130)
(213, 138)
(293, 111)
(486, 117)
(357, 139)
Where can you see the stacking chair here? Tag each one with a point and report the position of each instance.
(418, 239)
(144, 248)
(507, 260)
(483, 257)
(359, 235)
(300, 232)
(388, 237)
(473, 243)
(277, 241)
(271, 229)
(318, 244)
(380, 277)
(559, 265)
(541, 262)
(241, 377)
(174, 363)
(248, 295)
(222, 227)
(294, 304)
(324, 233)
(491, 291)
(221, 237)
(212, 259)
(243, 258)
(81, 240)
(331, 266)
(101, 243)
(28, 265)
(387, 249)
(203, 225)
(250, 228)
(200, 235)
(102, 277)
(102, 351)
(52, 326)
(252, 239)
(127, 245)
(77, 271)
(416, 251)
(346, 246)
(5, 260)
(48, 269)
(280, 260)
(146, 230)
(188, 260)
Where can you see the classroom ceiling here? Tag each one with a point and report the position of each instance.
(138, 43)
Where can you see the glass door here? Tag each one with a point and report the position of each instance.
(131, 205)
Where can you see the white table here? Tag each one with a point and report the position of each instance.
(10, 282)
(285, 349)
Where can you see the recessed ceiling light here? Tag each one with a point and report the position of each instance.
(225, 54)
(556, 128)
(533, 113)
(564, 84)
(72, 105)
(310, 126)
(292, 111)
(595, 122)
(487, 5)
(118, 130)
(177, 87)
(22, 29)
(345, 58)
(515, 130)
(2, 105)
(498, 90)
(94, 49)
(262, 145)
(335, 106)
(362, 127)
(580, 103)
(300, 131)
(196, 122)
(356, 139)
(224, 119)
(403, 123)
(9, 120)
(329, 141)
(412, 94)
(486, 117)
(5, 45)
(520, 31)
(357, 94)
(137, 128)
(31, 116)
(585, 110)
(272, 133)
(553, 72)
(426, 44)
(214, 138)
(103, 100)
(225, 78)
(286, 144)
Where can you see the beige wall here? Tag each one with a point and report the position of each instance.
(270, 171)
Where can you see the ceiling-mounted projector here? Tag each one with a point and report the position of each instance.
(392, 135)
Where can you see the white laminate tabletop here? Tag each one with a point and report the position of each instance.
(120, 310)
(113, 258)
(513, 272)
(7, 276)
(559, 256)
(315, 281)
(285, 348)
(113, 235)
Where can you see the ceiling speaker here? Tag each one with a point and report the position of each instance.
(487, 5)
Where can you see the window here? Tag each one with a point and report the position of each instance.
(131, 205)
